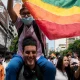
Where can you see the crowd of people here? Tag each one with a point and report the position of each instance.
(29, 63)
(4, 63)
(27, 24)
(67, 67)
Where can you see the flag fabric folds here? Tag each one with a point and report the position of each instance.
(56, 18)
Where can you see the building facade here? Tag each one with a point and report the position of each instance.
(3, 27)
(62, 44)
(6, 29)
(71, 40)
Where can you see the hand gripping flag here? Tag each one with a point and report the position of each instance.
(56, 18)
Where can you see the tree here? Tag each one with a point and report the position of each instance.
(75, 47)
(51, 52)
(13, 44)
(64, 52)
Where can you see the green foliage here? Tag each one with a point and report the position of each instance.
(51, 52)
(75, 47)
(64, 52)
(70, 47)
(13, 44)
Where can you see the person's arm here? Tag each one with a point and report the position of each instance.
(13, 68)
(49, 70)
(77, 72)
(11, 11)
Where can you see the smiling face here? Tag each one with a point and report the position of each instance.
(65, 61)
(29, 55)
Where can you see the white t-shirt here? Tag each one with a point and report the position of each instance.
(60, 75)
(55, 61)
(5, 64)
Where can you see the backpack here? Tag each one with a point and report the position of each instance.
(37, 32)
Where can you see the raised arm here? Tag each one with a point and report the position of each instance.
(11, 11)
(77, 72)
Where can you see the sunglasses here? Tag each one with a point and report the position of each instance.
(28, 52)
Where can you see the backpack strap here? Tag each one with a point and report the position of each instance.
(19, 33)
(39, 72)
(37, 32)
(20, 30)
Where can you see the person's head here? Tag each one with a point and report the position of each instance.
(29, 46)
(7, 57)
(57, 55)
(62, 63)
(75, 54)
(69, 56)
(24, 12)
(27, 18)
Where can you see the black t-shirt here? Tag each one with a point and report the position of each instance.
(27, 74)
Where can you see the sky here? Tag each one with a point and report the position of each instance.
(50, 42)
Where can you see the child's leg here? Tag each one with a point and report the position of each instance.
(47, 67)
(13, 68)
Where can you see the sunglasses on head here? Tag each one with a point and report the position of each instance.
(28, 52)
(25, 13)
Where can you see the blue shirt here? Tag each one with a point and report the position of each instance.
(17, 62)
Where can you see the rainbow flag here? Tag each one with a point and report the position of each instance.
(56, 18)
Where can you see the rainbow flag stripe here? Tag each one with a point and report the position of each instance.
(56, 18)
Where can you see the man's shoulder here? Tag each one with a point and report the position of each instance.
(15, 62)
